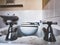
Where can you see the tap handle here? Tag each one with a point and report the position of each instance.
(50, 22)
(55, 23)
(44, 22)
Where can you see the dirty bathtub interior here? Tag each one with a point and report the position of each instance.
(29, 40)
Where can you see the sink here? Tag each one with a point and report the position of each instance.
(28, 40)
(2, 39)
(56, 32)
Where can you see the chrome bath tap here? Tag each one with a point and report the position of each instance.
(10, 20)
(48, 33)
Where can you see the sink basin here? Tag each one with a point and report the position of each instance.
(28, 30)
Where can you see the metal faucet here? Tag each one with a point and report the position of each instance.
(11, 36)
(10, 20)
(48, 33)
